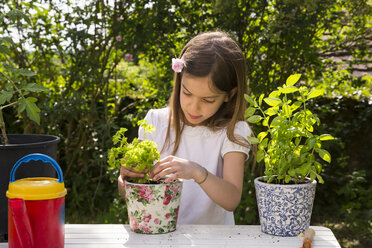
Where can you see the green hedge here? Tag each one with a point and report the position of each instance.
(344, 201)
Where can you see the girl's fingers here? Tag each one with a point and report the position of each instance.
(121, 181)
(166, 159)
(162, 165)
(173, 166)
(171, 178)
(128, 172)
(166, 171)
(159, 167)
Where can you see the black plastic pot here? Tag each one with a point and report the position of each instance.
(19, 146)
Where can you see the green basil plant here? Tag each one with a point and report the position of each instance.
(287, 144)
(138, 155)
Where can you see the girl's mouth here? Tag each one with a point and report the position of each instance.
(194, 117)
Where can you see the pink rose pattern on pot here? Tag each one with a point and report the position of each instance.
(157, 221)
(146, 218)
(145, 229)
(167, 199)
(153, 208)
(133, 222)
(145, 193)
(170, 192)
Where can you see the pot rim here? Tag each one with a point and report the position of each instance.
(53, 139)
(177, 181)
(257, 181)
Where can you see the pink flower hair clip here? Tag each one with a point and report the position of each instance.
(178, 64)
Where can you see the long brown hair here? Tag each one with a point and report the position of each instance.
(218, 56)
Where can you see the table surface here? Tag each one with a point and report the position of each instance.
(117, 235)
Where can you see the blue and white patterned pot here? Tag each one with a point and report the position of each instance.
(285, 210)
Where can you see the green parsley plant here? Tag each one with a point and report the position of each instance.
(138, 155)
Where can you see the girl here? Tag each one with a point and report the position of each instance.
(201, 134)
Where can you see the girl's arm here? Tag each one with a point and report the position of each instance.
(225, 191)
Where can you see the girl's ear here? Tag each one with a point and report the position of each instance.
(231, 94)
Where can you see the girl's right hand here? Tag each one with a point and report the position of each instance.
(128, 172)
(177, 168)
(124, 173)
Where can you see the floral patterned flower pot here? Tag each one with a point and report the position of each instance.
(285, 210)
(153, 208)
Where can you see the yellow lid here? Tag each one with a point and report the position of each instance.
(36, 188)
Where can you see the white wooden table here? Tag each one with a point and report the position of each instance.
(117, 235)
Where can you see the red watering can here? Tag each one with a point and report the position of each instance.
(36, 208)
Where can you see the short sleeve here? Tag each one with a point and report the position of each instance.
(241, 132)
(151, 119)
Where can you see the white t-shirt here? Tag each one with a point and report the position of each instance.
(205, 147)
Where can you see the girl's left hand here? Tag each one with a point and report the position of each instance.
(178, 167)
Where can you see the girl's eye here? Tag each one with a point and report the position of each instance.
(209, 101)
(186, 93)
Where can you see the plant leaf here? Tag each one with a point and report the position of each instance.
(26, 72)
(324, 154)
(264, 142)
(32, 110)
(274, 94)
(249, 112)
(254, 119)
(317, 166)
(315, 93)
(7, 40)
(326, 137)
(287, 178)
(312, 175)
(286, 110)
(261, 135)
(35, 87)
(311, 142)
(5, 97)
(260, 99)
(15, 13)
(260, 155)
(289, 89)
(4, 49)
(295, 105)
(292, 79)
(272, 111)
(249, 99)
(21, 105)
(276, 121)
(320, 179)
(272, 101)
(304, 169)
(253, 140)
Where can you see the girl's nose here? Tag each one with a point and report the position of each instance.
(195, 106)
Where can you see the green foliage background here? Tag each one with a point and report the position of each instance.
(79, 51)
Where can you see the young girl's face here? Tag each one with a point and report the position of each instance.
(199, 99)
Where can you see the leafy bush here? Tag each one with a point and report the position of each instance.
(344, 201)
(16, 87)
